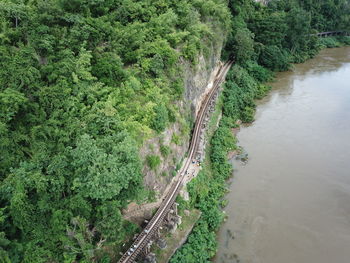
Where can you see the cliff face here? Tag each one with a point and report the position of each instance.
(265, 2)
(198, 81)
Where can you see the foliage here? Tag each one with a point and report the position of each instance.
(200, 246)
(345, 40)
(243, 45)
(165, 150)
(82, 85)
(258, 72)
(331, 42)
(284, 31)
(176, 139)
(274, 58)
(153, 161)
(114, 159)
(160, 120)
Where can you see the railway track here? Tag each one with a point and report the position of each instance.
(147, 233)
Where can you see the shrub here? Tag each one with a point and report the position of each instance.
(248, 114)
(262, 91)
(161, 118)
(345, 40)
(274, 58)
(153, 161)
(165, 150)
(243, 45)
(329, 42)
(258, 72)
(175, 139)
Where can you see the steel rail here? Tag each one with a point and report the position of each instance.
(157, 219)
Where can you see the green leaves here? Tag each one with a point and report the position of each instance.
(153, 161)
(200, 247)
(103, 168)
(82, 85)
(10, 102)
(161, 119)
(274, 58)
(82, 70)
(110, 221)
(108, 68)
(243, 45)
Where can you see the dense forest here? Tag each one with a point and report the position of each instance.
(83, 83)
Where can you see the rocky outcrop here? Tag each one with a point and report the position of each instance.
(265, 2)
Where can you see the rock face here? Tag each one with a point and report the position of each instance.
(265, 2)
(161, 243)
(150, 258)
(197, 79)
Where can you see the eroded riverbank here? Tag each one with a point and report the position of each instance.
(291, 202)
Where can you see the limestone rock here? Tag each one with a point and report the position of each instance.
(161, 243)
(150, 258)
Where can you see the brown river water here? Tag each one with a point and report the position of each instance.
(290, 203)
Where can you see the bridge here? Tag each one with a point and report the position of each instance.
(331, 34)
(143, 241)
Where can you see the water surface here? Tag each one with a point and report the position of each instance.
(291, 202)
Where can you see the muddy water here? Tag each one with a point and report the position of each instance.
(291, 202)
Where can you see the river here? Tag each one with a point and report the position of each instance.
(290, 203)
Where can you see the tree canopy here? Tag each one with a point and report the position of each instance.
(82, 85)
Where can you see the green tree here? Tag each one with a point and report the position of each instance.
(161, 119)
(243, 45)
(104, 168)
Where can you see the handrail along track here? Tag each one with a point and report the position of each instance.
(145, 236)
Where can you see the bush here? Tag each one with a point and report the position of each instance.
(161, 118)
(329, 42)
(200, 247)
(258, 72)
(165, 150)
(248, 114)
(274, 58)
(344, 39)
(243, 45)
(153, 161)
(175, 139)
(262, 91)
(241, 90)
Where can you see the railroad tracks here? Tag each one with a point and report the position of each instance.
(147, 233)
